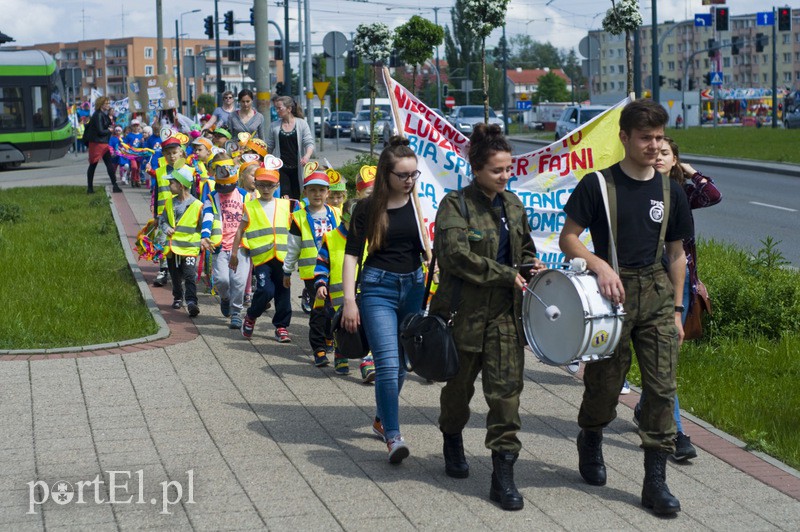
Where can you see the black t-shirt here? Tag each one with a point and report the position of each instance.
(504, 245)
(401, 248)
(640, 209)
(288, 145)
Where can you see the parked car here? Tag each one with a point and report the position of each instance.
(360, 129)
(341, 122)
(326, 114)
(792, 120)
(576, 115)
(389, 130)
(464, 117)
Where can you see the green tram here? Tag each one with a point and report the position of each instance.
(34, 125)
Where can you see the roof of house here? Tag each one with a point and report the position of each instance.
(531, 76)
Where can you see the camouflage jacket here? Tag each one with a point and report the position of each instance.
(469, 252)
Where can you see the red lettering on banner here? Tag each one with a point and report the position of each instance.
(522, 167)
(565, 163)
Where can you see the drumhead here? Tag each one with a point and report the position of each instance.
(556, 342)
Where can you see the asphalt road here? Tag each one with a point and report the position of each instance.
(754, 204)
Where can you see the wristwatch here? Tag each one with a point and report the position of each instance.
(679, 308)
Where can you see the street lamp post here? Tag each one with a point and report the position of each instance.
(178, 58)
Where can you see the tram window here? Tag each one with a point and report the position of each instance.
(11, 114)
(58, 107)
(41, 105)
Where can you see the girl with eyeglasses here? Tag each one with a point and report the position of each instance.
(246, 119)
(392, 282)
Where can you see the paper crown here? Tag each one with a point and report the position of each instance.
(272, 163)
(264, 174)
(337, 183)
(310, 168)
(366, 177)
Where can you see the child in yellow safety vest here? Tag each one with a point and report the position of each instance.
(264, 230)
(309, 226)
(181, 222)
(328, 284)
(172, 151)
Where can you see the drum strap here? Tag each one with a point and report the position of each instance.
(456, 299)
(608, 191)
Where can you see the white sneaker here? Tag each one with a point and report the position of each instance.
(626, 388)
(398, 450)
(574, 367)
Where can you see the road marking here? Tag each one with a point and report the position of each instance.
(773, 206)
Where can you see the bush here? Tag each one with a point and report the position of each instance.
(10, 213)
(350, 169)
(751, 295)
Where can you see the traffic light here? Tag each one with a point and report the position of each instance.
(691, 84)
(279, 52)
(279, 88)
(252, 17)
(229, 22)
(784, 19)
(721, 18)
(235, 51)
(394, 59)
(712, 48)
(352, 59)
(209, 25)
(679, 84)
(735, 45)
(316, 72)
(760, 42)
(707, 78)
(661, 81)
(445, 90)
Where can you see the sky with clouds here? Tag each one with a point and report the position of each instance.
(560, 22)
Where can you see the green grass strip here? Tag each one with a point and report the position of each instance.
(65, 280)
(762, 144)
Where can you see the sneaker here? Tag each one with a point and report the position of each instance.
(161, 278)
(225, 307)
(178, 303)
(637, 413)
(305, 304)
(282, 335)
(321, 359)
(341, 365)
(367, 370)
(377, 430)
(398, 450)
(684, 450)
(247, 326)
(194, 310)
(626, 388)
(236, 322)
(574, 367)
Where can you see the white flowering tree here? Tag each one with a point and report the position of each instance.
(624, 17)
(482, 17)
(373, 42)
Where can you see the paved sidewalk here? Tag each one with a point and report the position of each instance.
(257, 437)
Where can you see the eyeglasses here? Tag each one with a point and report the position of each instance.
(405, 176)
(266, 185)
(228, 97)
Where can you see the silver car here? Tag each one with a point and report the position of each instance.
(792, 120)
(464, 118)
(574, 116)
(360, 130)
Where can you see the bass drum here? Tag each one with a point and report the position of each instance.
(566, 319)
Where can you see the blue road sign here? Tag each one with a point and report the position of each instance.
(765, 18)
(716, 78)
(524, 104)
(702, 20)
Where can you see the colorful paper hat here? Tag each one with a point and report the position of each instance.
(202, 141)
(222, 131)
(171, 141)
(272, 163)
(317, 178)
(270, 176)
(183, 175)
(310, 168)
(366, 177)
(337, 183)
(244, 166)
(258, 146)
(225, 172)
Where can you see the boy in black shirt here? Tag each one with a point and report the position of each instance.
(653, 308)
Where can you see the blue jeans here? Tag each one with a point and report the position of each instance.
(386, 298)
(687, 293)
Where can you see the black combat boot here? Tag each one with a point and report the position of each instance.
(503, 489)
(590, 457)
(655, 493)
(455, 463)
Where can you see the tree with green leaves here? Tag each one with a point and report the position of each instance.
(524, 52)
(461, 49)
(482, 17)
(415, 41)
(572, 68)
(624, 17)
(373, 42)
(552, 88)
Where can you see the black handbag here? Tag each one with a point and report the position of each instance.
(427, 339)
(350, 345)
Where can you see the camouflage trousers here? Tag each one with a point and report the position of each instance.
(502, 361)
(650, 326)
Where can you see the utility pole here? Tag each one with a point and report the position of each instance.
(505, 83)
(263, 87)
(161, 68)
(310, 75)
(300, 70)
(654, 60)
(439, 79)
(178, 64)
(218, 58)
(287, 71)
(775, 68)
(637, 64)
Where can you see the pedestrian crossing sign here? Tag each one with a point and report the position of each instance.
(716, 78)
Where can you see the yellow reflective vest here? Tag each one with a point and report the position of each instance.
(335, 241)
(308, 247)
(186, 238)
(267, 239)
(162, 189)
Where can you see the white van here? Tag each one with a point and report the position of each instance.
(384, 104)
